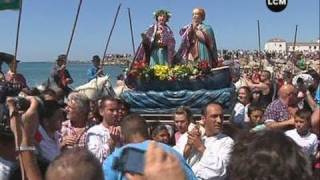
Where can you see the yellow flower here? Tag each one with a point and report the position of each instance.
(161, 71)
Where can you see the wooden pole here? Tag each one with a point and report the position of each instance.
(295, 38)
(73, 29)
(109, 37)
(259, 43)
(132, 39)
(259, 36)
(293, 58)
(14, 62)
(14, 70)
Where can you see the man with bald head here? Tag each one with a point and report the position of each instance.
(277, 115)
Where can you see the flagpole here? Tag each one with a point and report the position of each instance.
(14, 63)
(109, 37)
(73, 29)
(132, 39)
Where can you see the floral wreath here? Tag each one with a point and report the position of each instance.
(162, 12)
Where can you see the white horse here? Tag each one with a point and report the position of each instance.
(97, 88)
(94, 89)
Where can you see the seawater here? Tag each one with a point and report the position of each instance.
(38, 72)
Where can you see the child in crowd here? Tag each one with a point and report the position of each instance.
(255, 114)
(302, 135)
(161, 134)
(255, 75)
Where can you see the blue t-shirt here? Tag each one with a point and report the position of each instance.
(92, 73)
(112, 174)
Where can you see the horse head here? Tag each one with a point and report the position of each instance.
(97, 88)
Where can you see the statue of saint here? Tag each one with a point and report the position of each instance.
(198, 42)
(158, 42)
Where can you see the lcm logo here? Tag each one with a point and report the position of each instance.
(277, 5)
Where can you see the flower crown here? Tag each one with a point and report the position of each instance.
(162, 12)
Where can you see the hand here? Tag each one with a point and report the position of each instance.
(159, 165)
(290, 121)
(68, 141)
(301, 94)
(69, 80)
(194, 139)
(31, 117)
(23, 131)
(115, 132)
(62, 67)
(195, 25)
(29, 120)
(195, 131)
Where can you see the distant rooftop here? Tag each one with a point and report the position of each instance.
(276, 40)
(303, 44)
(312, 43)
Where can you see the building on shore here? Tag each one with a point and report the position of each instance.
(118, 59)
(278, 45)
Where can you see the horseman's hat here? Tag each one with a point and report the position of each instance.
(95, 58)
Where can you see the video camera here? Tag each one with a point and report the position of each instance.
(9, 89)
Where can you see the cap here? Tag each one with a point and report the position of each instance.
(95, 58)
(62, 57)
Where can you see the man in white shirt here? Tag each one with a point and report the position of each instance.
(102, 138)
(209, 155)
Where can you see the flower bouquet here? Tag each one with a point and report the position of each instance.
(190, 76)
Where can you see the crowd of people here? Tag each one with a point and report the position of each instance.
(273, 131)
(276, 128)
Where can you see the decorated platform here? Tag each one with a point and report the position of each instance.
(161, 90)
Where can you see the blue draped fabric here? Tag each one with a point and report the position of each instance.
(167, 101)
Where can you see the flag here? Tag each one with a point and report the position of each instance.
(9, 4)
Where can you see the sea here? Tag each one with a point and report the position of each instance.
(38, 72)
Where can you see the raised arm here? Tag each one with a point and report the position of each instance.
(24, 140)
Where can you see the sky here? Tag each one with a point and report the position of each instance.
(46, 25)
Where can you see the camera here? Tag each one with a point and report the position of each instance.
(5, 121)
(6, 89)
(22, 104)
(131, 160)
